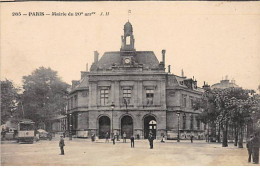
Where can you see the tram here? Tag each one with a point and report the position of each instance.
(26, 131)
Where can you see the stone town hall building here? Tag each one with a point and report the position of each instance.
(129, 91)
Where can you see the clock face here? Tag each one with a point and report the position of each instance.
(127, 60)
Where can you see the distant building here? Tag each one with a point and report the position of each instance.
(128, 91)
(225, 84)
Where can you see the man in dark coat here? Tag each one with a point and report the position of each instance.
(151, 138)
(61, 144)
(113, 138)
(132, 141)
(191, 138)
(50, 136)
(249, 148)
(255, 149)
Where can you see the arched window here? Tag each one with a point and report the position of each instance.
(152, 124)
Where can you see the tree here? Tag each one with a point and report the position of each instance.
(231, 107)
(9, 100)
(208, 110)
(43, 96)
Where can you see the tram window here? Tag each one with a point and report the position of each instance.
(26, 127)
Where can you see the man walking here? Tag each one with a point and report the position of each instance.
(249, 148)
(61, 144)
(132, 141)
(162, 140)
(117, 136)
(124, 138)
(255, 149)
(150, 138)
(114, 139)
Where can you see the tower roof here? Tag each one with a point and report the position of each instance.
(128, 27)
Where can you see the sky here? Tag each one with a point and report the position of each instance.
(208, 40)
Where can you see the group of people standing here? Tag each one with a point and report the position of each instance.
(116, 136)
(253, 148)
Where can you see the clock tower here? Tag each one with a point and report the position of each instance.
(127, 50)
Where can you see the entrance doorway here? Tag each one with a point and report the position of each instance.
(150, 125)
(127, 126)
(104, 126)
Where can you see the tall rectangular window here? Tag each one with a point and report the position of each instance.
(184, 121)
(184, 100)
(191, 102)
(75, 100)
(127, 95)
(104, 97)
(191, 122)
(68, 102)
(198, 123)
(71, 103)
(149, 96)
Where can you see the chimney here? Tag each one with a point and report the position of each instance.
(87, 67)
(96, 56)
(206, 86)
(74, 83)
(163, 56)
(169, 68)
(83, 74)
(182, 73)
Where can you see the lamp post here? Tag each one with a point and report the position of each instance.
(112, 107)
(178, 137)
(70, 134)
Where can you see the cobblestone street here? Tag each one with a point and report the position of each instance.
(84, 152)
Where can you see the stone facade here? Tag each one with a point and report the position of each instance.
(128, 91)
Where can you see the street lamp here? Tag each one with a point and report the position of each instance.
(178, 137)
(70, 134)
(112, 107)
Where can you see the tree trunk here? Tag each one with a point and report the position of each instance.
(240, 143)
(225, 133)
(236, 136)
(208, 133)
(218, 133)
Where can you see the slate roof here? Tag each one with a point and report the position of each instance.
(147, 58)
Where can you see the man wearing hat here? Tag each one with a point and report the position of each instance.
(249, 148)
(61, 144)
(255, 149)
(151, 138)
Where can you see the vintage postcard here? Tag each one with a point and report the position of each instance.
(130, 83)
